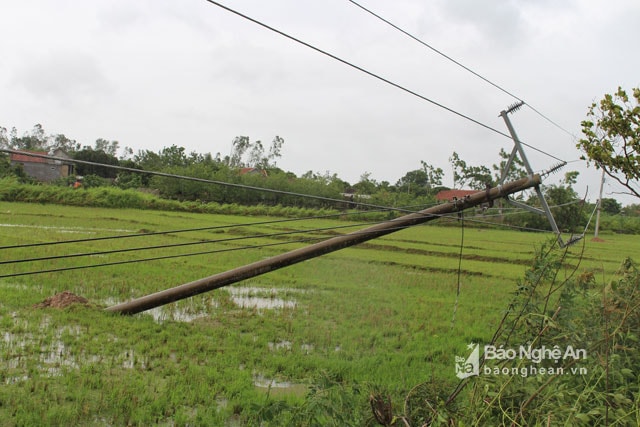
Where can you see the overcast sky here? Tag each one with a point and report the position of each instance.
(150, 74)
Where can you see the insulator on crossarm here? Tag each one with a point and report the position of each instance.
(515, 107)
(573, 240)
(555, 168)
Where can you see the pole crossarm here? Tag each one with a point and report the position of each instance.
(518, 149)
(330, 245)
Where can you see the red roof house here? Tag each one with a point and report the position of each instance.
(253, 171)
(43, 169)
(447, 195)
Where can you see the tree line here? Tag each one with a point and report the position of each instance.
(609, 130)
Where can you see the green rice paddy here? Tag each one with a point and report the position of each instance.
(380, 314)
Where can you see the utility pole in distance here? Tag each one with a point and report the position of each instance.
(321, 248)
(599, 207)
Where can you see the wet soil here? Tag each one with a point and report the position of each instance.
(62, 300)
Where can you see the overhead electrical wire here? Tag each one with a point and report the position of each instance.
(258, 246)
(166, 232)
(187, 230)
(177, 245)
(439, 52)
(61, 269)
(361, 69)
(290, 232)
(444, 55)
(374, 75)
(182, 230)
(164, 257)
(382, 208)
(209, 228)
(207, 181)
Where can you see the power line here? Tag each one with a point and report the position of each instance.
(302, 240)
(380, 208)
(176, 245)
(116, 251)
(541, 151)
(185, 230)
(374, 75)
(206, 181)
(496, 224)
(188, 178)
(107, 264)
(350, 64)
(439, 52)
(573, 136)
(164, 257)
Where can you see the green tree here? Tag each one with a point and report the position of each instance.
(168, 157)
(413, 182)
(610, 206)
(88, 154)
(366, 185)
(126, 179)
(421, 181)
(5, 166)
(36, 140)
(4, 138)
(476, 177)
(109, 147)
(632, 210)
(252, 154)
(516, 171)
(60, 141)
(566, 207)
(612, 137)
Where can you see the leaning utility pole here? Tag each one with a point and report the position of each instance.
(270, 264)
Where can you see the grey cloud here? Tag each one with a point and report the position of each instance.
(496, 21)
(66, 77)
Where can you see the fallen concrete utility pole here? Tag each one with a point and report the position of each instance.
(330, 245)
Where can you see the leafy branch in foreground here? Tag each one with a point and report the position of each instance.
(612, 137)
(576, 316)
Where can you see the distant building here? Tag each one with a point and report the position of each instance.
(41, 169)
(448, 195)
(253, 171)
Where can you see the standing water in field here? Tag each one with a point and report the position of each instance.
(261, 298)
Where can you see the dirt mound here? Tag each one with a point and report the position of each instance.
(61, 300)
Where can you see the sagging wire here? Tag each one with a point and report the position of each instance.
(116, 251)
(209, 228)
(502, 324)
(165, 257)
(206, 181)
(455, 305)
(176, 245)
(439, 52)
(361, 69)
(228, 239)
